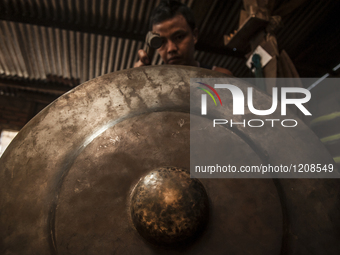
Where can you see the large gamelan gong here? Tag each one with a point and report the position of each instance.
(104, 170)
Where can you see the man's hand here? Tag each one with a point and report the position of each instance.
(143, 59)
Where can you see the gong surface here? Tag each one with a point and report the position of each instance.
(66, 179)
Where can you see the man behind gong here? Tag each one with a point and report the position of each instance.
(174, 23)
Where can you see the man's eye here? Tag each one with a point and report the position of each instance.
(163, 43)
(179, 37)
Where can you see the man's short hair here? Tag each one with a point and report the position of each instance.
(168, 9)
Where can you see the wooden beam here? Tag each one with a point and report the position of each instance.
(33, 97)
(78, 27)
(288, 7)
(40, 87)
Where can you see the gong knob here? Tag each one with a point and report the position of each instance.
(169, 208)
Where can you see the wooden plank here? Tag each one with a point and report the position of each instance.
(241, 39)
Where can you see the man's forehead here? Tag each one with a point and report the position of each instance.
(178, 22)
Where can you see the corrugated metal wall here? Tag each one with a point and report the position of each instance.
(38, 51)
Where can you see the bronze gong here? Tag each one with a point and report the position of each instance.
(103, 170)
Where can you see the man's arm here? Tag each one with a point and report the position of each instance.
(222, 70)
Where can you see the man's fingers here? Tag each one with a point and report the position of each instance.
(138, 64)
(143, 57)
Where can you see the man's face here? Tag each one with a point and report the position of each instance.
(178, 41)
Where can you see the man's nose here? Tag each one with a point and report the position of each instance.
(172, 47)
